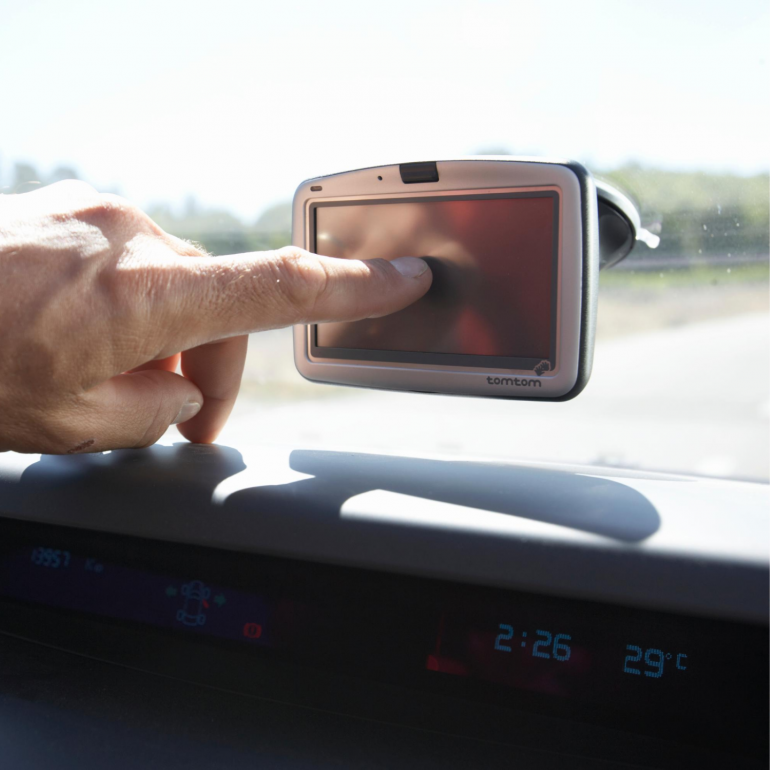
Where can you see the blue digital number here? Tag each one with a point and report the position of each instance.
(545, 642)
(561, 651)
(655, 660)
(632, 659)
(507, 633)
(49, 557)
(653, 663)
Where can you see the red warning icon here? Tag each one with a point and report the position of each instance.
(252, 630)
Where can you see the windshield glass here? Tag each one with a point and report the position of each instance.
(209, 116)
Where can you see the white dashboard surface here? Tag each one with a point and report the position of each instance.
(668, 542)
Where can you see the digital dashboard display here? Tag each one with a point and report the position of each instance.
(63, 578)
(606, 657)
(494, 260)
(678, 678)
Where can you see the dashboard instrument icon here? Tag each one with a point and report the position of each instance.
(196, 596)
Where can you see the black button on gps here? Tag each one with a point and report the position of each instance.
(414, 173)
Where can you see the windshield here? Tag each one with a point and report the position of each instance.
(209, 115)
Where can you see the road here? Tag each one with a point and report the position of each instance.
(690, 400)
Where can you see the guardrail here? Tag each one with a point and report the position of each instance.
(682, 262)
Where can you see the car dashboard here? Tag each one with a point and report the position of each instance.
(202, 606)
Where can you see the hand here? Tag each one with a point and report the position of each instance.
(98, 305)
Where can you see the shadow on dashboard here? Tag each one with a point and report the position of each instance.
(586, 503)
(214, 490)
(133, 489)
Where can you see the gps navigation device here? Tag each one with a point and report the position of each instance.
(513, 246)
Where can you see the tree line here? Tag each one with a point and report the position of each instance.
(697, 215)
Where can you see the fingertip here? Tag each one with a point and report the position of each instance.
(199, 432)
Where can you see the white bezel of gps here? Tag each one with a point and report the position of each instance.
(576, 284)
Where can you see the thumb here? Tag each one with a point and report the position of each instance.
(134, 410)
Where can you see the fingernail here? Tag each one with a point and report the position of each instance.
(187, 412)
(411, 267)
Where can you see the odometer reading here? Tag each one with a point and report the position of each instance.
(52, 558)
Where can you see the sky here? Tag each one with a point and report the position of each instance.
(237, 103)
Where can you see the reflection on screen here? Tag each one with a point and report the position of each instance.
(492, 263)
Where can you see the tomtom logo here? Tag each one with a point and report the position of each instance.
(514, 381)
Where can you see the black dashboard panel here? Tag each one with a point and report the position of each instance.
(348, 605)
(65, 711)
(363, 643)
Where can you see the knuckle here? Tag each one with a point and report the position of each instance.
(112, 215)
(301, 280)
(109, 210)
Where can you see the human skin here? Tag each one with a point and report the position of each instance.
(99, 308)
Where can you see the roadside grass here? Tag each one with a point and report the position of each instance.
(724, 275)
(638, 302)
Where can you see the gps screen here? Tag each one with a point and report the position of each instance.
(494, 264)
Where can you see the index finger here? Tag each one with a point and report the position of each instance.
(207, 299)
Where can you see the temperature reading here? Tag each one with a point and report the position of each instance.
(547, 645)
(653, 661)
(50, 557)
